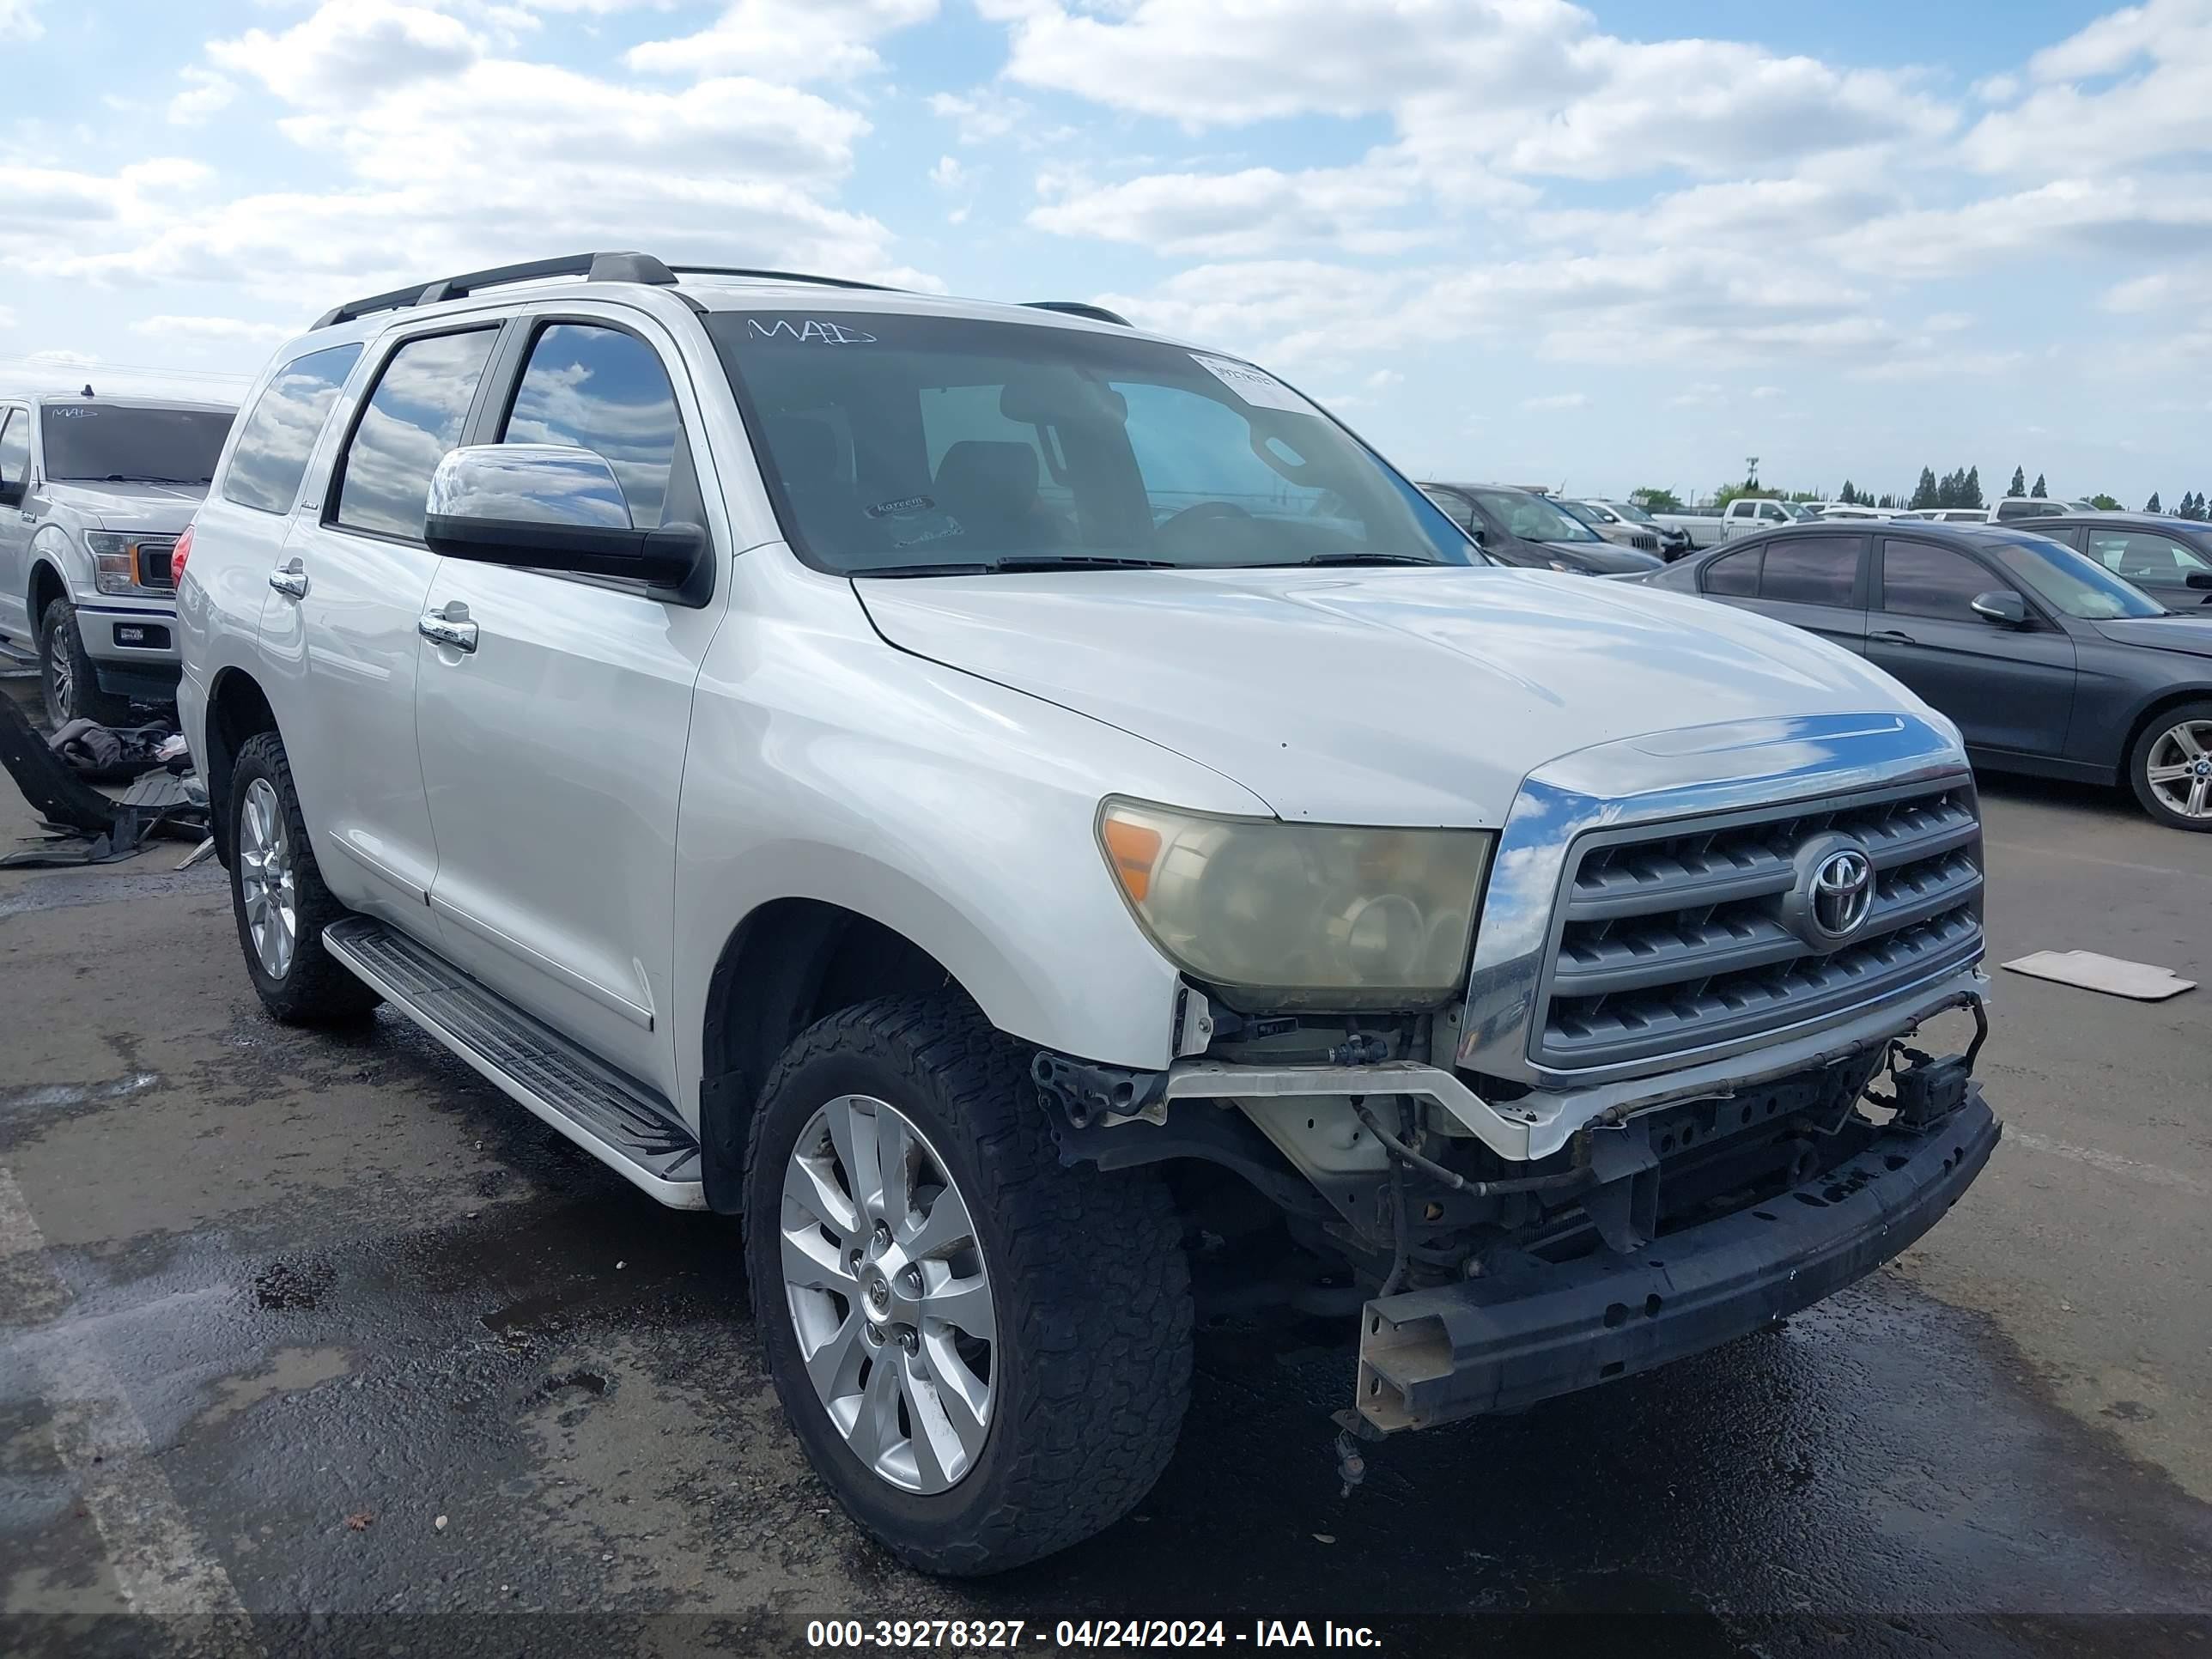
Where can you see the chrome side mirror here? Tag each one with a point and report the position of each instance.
(550, 506)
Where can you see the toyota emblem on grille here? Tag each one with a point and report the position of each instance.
(1843, 892)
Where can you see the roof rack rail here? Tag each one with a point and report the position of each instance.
(784, 276)
(592, 267)
(1081, 308)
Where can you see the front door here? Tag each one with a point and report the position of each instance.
(341, 622)
(553, 750)
(2010, 689)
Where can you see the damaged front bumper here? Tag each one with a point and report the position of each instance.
(1502, 1343)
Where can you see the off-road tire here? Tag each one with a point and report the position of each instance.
(61, 644)
(315, 989)
(2139, 766)
(1092, 1375)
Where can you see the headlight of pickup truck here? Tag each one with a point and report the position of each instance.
(1286, 915)
(113, 571)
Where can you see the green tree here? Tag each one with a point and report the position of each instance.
(1849, 496)
(1653, 499)
(1970, 488)
(1924, 493)
(1887, 499)
(2152, 506)
(2105, 503)
(2039, 492)
(2019, 485)
(2192, 507)
(1747, 490)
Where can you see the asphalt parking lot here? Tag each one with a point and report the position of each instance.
(296, 1323)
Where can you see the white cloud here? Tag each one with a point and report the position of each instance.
(1239, 215)
(2159, 105)
(948, 174)
(789, 39)
(204, 93)
(215, 330)
(19, 20)
(351, 49)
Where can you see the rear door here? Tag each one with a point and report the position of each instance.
(2010, 689)
(340, 623)
(1815, 581)
(553, 751)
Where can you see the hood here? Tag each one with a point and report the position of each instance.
(2185, 632)
(1389, 696)
(128, 506)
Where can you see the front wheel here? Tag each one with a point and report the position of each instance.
(68, 677)
(2171, 767)
(985, 1355)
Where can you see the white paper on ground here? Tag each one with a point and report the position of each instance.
(2110, 975)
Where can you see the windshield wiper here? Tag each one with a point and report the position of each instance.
(143, 477)
(1020, 564)
(1355, 558)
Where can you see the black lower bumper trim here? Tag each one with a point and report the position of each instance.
(1429, 1356)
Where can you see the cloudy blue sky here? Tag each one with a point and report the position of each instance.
(1604, 246)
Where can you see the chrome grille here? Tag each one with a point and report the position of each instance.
(1644, 542)
(1677, 936)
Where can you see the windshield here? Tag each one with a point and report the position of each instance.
(1798, 510)
(2066, 581)
(1630, 511)
(131, 442)
(1532, 519)
(917, 445)
(1581, 513)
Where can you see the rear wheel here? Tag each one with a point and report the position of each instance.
(277, 892)
(985, 1355)
(67, 676)
(2171, 767)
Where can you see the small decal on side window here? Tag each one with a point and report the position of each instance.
(807, 331)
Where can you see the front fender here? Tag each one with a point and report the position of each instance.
(826, 764)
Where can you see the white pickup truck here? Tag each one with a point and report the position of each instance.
(1739, 517)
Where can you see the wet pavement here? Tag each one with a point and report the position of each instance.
(294, 1324)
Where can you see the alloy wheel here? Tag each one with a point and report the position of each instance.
(2179, 769)
(265, 878)
(884, 1278)
(61, 678)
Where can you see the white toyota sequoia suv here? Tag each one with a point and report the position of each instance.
(1063, 839)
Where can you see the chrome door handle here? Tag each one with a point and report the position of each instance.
(290, 579)
(442, 629)
(1892, 636)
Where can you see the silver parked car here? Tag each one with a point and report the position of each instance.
(93, 492)
(1003, 801)
(1615, 524)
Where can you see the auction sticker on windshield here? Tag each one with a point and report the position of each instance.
(1256, 386)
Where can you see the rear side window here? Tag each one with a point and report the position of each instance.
(2136, 553)
(1735, 575)
(14, 447)
(413, 417)
(1919, 581)
(1811, 571)
(600, 389)
(270, 456)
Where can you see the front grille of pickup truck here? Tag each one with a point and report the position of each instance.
(1680, 936)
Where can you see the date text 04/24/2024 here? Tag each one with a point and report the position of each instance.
(967, 1634)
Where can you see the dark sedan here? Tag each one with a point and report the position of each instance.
(2170, 559)
(1519, 526)
(2049, 662)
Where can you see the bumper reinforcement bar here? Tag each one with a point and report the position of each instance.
(1489, 1345)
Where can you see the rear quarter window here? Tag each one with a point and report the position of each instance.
(273, 447)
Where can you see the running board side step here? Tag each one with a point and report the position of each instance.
(632, 1129)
